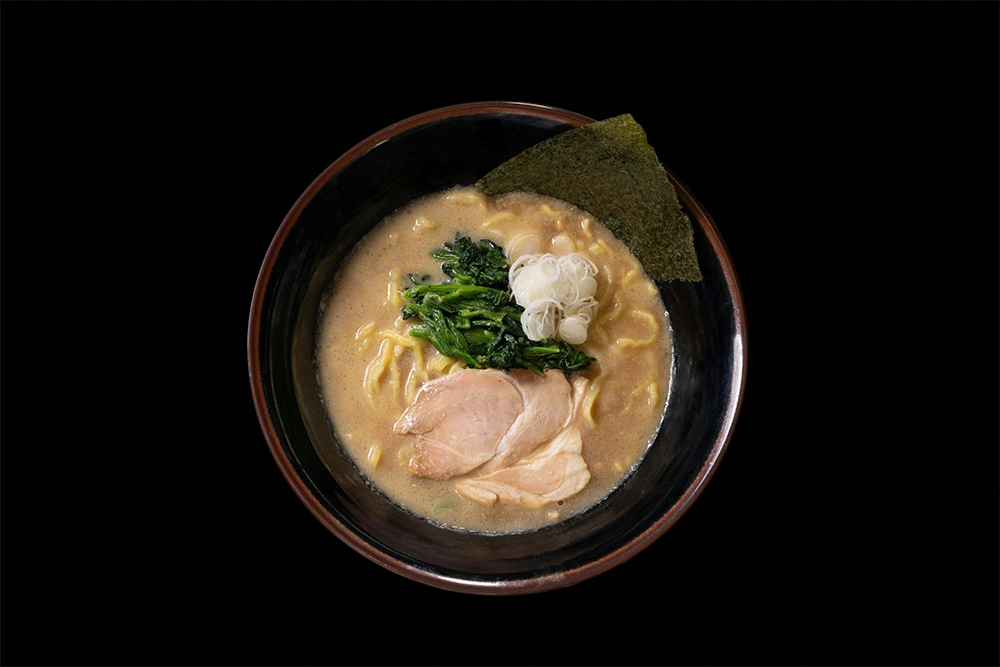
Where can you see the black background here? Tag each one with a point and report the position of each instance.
(846, 151)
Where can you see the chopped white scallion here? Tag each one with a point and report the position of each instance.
(540, 319)
(557, 294)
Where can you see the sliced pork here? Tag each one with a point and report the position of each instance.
(554, 472)
(459, 420)
(546, 408)
(508, 437)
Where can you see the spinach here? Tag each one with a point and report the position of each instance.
(474, 317)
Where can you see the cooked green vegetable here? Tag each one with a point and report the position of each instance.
(467, 263)
(474, 317)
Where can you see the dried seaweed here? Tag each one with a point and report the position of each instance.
(608, 169)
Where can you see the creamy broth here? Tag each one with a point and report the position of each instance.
(370, 370)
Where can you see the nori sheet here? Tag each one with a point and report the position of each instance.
(608, 169)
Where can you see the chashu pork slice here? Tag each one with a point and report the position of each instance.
(458, 421)
(554, 472)
(547, 408)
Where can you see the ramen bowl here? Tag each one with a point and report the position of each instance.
(425, 154)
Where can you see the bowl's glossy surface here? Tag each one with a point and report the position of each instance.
(417, 156)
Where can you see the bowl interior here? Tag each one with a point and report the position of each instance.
(426, 154)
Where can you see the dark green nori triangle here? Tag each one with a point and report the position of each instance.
(608, 169)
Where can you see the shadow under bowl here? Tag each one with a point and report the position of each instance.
(428, 153)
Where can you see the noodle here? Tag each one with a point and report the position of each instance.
(499, 217)
(467, 198)
(631, 342)
(375, 369)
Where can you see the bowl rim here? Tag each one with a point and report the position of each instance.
(548, 581)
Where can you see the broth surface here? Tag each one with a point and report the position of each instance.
(369, 369)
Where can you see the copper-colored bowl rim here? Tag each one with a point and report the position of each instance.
(547, 581)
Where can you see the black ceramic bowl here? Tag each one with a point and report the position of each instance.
(417, 156)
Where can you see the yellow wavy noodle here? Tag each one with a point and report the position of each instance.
(390, 358)
(649, 387)
(585, 226)
(407, 341)
(627, 278)
(417, 373)
(467, 198)
(557, 216)
(653, 326)
(456, 365)
(632, 271)
(422, 223)
(598, 328)
(439, 363)
(393, 290)
(598, 333)
(609, 277)
(413, 380)
(376, 368)
(605, 316)
(499, 217)
(589, 401)
(363, 335)
(653, 392)
(394, 374)
(375, 455)
(394, 344)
